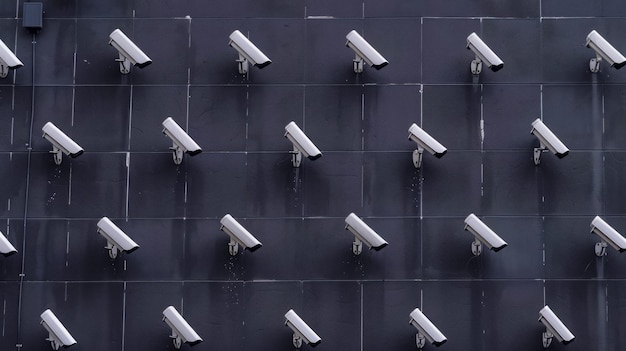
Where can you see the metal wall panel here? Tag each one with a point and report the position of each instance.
(360, 123)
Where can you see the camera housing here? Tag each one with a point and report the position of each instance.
(301, 331)
(8, 60)
(248, 52)
(129, 53)
(364, 52)
(238, 235)
(363, 234)
(483, 54)
(548, 140)
(57, 333)
(554, 328)
(483, 235)
(61, 143)
(426, 330)
(6, 248)
(608, 236)
(181, 141)
(424, 142)
(302, 145)
(182, 332)
(604, 51)
(117, 240)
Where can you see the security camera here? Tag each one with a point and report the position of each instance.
(117, 240)
(554, 328)
(181, 141)
(426, 330)
(238, 235)
(483, 54)
(181, 330)
(57, 334)
(604, 51)
(129, 53)
(248, 52)
(5, 246)
(301, 331)
(483, 235)
(8, 60)
(608, 235)
(302, 145)
(424, 142)
(364, 52)
(363, 234)
(61, 143)
(547, 139)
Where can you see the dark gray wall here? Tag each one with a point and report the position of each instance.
(360, 122)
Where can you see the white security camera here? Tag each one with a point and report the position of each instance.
(554, 328)
(8, 60)
(5, 246)
(302, 145)
(608, 235)
(57, 334)
(426, 330)
(181, 141)
(117, 240)
(364, 52)
(181, 330)
(301, 330)
(363, 234)
(61, 143)
(483, 54)
(547, 139)
(483, 234)
(248, 52)
(129, 53)
(238, 235)
(604, 51)
(424, 142)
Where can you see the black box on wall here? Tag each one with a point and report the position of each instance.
(33, 16)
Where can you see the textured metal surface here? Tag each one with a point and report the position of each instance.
(360, 123)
